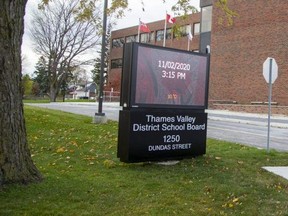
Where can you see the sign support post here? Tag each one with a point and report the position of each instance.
(270, 73)
(269, 103)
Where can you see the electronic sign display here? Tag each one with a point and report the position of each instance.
(162, 77)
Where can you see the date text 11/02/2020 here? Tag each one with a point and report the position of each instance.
(173, 70)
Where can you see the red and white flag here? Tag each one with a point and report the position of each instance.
(143, 27)
(170, 19)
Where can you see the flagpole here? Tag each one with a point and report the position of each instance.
(139, 30)
(165, 28)
(190, 37)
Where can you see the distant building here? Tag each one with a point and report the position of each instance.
(84, 91)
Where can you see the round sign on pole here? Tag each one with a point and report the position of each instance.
(266, 69)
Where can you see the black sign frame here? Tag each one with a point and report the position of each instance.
(130, 71)
(159, 135)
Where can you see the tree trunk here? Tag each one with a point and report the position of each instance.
(53, 93)
(16, 165)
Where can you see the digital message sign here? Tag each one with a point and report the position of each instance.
(162, 77)
(164, 93)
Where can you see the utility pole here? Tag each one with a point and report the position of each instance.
(100, 116)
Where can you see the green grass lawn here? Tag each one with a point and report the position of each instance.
(82, 176)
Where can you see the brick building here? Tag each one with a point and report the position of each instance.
(237, 52)
(156, 36)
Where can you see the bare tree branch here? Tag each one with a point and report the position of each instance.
(63, 39)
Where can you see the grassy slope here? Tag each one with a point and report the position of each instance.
(84, 177)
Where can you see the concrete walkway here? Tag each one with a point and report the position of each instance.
(280, 170)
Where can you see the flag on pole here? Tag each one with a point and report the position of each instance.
(170, 19)
(144, 27)
(190, 37)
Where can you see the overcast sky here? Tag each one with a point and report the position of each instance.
(153, 12)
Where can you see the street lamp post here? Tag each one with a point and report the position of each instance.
(100, 116)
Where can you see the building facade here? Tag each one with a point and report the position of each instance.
(237, 51)
(155, 37)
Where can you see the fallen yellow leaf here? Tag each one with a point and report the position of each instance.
(60, 150)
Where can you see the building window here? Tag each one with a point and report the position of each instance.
(152, 36)
(196, 28)
(132, 38)
(116, 63)
(160, 34)
(169, 33)
(147, 37)
(206, 19)
(118, 42)
(184, 30)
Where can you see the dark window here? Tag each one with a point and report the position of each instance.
(160, 34)
(116, 63)
(118, 42)
(169, 33)
(144, 38)
(132, 38)
(184, 30)
(147, 37)
(152, 36)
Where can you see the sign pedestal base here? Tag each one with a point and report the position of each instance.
(99, 119)
(161, 135)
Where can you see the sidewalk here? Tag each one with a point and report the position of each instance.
(279, 121)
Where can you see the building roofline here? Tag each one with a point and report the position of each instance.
(154, 25)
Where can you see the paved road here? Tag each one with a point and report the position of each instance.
(248, 129)
(249, 134)
(111, 110)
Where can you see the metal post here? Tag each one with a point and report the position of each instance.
(100, 99)
(269, 103)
